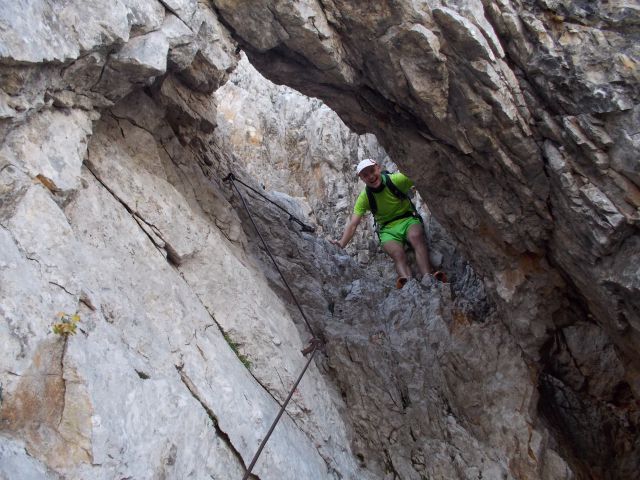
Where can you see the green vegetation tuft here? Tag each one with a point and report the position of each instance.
(234, 346)
(66, 324)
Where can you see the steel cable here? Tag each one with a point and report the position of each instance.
(315, 342)
(277, 419)
(233, 179)
(305, 227)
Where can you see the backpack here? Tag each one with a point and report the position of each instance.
(386, 181)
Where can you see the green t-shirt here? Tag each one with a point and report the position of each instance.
(389, 206)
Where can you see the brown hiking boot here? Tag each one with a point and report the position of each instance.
(440, 276)
(401, 281)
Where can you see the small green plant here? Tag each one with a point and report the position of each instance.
(66, 325)
(234, 346)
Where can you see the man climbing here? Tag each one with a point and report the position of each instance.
(397, 221)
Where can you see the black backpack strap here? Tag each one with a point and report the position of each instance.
(386, 182)
(373, 206)
(393, 188)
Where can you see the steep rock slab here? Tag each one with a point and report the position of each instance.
(48, 398)
(237, 298)
(74, 241)
(128, 416)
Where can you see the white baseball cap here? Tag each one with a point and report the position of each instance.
(367, 162)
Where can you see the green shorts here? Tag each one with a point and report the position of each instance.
(397, 230)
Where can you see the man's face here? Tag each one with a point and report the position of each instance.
(371, 176)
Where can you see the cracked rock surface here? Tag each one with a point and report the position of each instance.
(519, 122)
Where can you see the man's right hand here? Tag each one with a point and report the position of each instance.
(349, 230)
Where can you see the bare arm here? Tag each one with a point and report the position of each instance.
(349, 231)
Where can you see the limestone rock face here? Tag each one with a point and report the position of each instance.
(149, 385)
(517, 120)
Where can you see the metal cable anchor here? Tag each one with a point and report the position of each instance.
(314, 344)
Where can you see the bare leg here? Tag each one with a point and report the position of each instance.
(415, 235)
(396, 251)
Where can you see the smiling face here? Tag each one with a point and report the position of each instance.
(371, 176)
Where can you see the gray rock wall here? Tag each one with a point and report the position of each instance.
(517, 121)
(106, 212)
